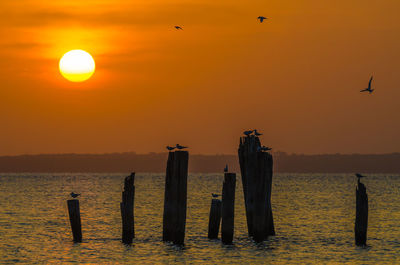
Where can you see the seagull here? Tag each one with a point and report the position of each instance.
(359, 176)
(215, 195)
(180, 147)
(257, 133)
(226, 169)
(264, 148)
(74, 195)
(368, 89)
(247, 133)
(170, 148)
(261, 18)
(178, 28)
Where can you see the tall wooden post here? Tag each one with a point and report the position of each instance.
(127, 206)
(256, 169)
(215, 219)
(361, 223)
(75, 219)
(175, 197)
(228, 208)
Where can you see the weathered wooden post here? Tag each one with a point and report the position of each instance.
(228, 208)
(256, 169)
(128, 197)
(75, 219)
(361, 223)
(175, 197)
(215, 219)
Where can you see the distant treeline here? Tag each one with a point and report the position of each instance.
(156, 162)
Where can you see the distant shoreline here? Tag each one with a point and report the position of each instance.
(156, 162)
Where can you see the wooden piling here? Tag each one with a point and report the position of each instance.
(175, 197)
(127, 208)
(361, 222)
(215, 219)
(228, 208)
(256, 168)
(75, 219)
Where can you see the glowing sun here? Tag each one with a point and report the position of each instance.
(77, 66)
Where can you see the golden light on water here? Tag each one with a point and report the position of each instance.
(77, 66)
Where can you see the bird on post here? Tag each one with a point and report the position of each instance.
(170, 148)
(178, 28)
(257, 133)
(261, 18)
(215, 195)
(74, 195)
(180, 147)
(264, 148)
(359, 176)
(369, 88)
(247, 133)
(226, 168)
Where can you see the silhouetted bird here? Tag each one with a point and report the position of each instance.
(369, 88)
(263, 148)
(180, 147)
(178, 28)
(261, 18)
(170, 148)
(74, 195)
(215, 195)
(359, 176)
(257, 133)
(247, 133)
(226, 169)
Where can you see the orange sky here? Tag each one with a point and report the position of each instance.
(296, 77)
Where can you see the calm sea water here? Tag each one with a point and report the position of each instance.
(314, 219)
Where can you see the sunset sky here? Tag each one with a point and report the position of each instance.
(296, 77)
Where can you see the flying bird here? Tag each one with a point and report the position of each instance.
(261, 18)
(226, 169)
(369, 88)
(74, 195)
(247, 133)
(257, 133)
(215, 195)
(180, 147)
(178, 28)
(170, 148)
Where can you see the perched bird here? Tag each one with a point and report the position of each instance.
(74, 195)
(226, 169)
(178, 28)
(263, 148)
(180, 147)
(247, 133)
(261, 18)
(215, 195)
(369, 88)
(359, 176)
(257, 133)
(170, 148)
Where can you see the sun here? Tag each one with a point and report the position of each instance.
(77, 65)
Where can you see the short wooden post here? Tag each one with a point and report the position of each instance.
(175, 197)
(215, 219)
(75, 219)
(361, 223)
(128, 222)
(228, 208)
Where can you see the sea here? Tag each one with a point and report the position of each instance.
(313, 213)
